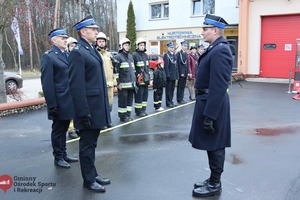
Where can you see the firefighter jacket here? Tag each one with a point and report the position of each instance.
(142, 69)
(159, 78)
(108, 66)
(126, 71)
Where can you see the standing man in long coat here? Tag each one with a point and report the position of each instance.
(55, 84)
(89, 92)
(182, 62)
(211, 129)
(171, 69)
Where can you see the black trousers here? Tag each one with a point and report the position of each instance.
(157, 97)
(87, 146)
(180, 88)
(125, 101)
(141, 99)
(216, 160)
(58, 138)
(170, 87)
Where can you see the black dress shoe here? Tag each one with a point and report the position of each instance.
(208, 190)
(62, 163)
(95, 187)
(102, 181)
(73, 135)
(201, 184)
(109, 125)
(170, 106)
(70, 159)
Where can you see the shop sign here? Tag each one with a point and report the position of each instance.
(172, 35)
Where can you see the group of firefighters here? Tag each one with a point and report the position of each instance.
(130, 74)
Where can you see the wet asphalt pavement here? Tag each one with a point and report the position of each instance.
(151, 158)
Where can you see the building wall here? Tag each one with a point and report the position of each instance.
(181, 24)
(258, 8)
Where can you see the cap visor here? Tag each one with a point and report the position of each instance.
(63, 36)
(91, 26)
(206, 25)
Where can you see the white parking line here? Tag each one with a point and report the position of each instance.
(136, 120)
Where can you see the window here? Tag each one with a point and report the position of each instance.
(269, 46)
(196, 7)
(202, 7)
(208, 6)
(159, 11)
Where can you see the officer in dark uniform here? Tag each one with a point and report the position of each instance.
(55, 84)
(126, 80)
(182, 61)
(171, 70)
(211, 129)
(143, 77)
(89, 92)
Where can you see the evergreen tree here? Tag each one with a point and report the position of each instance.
(130, 28)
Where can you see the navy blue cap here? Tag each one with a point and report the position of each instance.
(58, 32)
(184, 43)
(213, 20)
(88, 22)
(170, 44)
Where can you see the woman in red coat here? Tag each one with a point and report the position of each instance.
(192, 65)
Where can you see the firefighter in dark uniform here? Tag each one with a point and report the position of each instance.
(211, 128)
(55, 84)
(171, 71)
(182, 62)
(125, 80)
(143, 77)
(89, 93)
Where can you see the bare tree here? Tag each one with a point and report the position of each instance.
(7, 12)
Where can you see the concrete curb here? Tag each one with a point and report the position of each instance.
(21, 106)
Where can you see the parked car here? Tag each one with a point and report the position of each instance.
(13, 81)
(113, 53)
(154, 59)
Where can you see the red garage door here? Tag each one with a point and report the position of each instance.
(278, 45)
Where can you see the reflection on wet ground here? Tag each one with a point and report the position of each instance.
(235, 159)
(157, 136)
(274, 131)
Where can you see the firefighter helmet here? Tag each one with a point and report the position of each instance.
(123, 41)
(101, 35)
(71, 40)
(140, 40)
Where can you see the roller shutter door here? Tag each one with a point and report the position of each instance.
(278, 45)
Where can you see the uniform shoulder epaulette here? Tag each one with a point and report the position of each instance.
(77, 46)
(49, 51)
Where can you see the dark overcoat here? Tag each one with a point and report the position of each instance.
(213, 73)
(170, 66)
(55, 83)
(182, 62)
(88, 86)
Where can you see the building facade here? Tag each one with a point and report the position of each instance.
(162, 21)
(269, 38)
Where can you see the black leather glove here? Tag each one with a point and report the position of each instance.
(208, 125)
(53, 112)
(86, 121)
